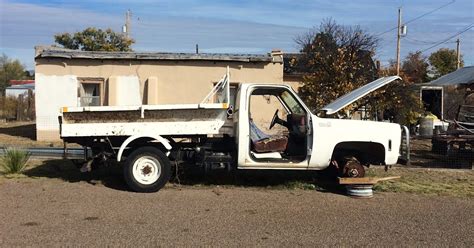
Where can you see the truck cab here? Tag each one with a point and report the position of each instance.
(308, 142)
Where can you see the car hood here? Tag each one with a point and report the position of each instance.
(356, 94)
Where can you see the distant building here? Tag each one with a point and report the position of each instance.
(20, 87)
(83, 78)
(443, 96)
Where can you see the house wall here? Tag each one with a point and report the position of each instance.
(159, 82)
(14, 92)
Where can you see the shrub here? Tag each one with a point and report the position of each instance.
(14, 160)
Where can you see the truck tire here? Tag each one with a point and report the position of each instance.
(147, 169)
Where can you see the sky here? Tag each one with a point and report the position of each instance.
(235, 26)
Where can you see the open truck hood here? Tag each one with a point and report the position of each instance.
(356, 94)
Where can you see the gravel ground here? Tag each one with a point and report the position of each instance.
(52, 212)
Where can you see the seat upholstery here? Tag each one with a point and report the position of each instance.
(263, 142)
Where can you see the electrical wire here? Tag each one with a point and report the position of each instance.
(418, 17)
(450, 37)
(415, 41)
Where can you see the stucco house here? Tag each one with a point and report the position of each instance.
(84, 78)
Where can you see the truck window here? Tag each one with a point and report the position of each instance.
(290, 101)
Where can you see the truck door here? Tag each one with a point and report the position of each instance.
(274, 129)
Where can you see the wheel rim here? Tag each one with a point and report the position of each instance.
(146, 170)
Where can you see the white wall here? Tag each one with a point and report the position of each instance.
(16, 92)
(128, 91)
(53, 93)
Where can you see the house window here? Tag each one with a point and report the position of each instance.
(90, 92)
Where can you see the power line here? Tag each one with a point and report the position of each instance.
(450, 37)
(415, 41)
(418, 17)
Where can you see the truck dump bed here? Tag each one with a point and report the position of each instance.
(172, 119)
(185, 119)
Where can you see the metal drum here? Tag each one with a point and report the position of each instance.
(360, 190)
(426, 127)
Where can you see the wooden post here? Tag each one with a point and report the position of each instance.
(19, 108)
(398, 39)
(458, 53)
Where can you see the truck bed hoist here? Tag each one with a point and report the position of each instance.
(216, 134)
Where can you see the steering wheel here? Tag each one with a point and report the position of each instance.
(274, 119)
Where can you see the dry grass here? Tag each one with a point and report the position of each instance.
(450, 182)
(14, 160)
(22, 134)
(453, 182)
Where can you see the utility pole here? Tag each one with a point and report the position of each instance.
(398, 39)
(126, 28)
(458, 53)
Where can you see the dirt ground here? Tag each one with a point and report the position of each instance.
(47, 211)
(22, 134)
(52, 204)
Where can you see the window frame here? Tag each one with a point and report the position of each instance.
(94, 80)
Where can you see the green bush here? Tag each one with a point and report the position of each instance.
(14, 160)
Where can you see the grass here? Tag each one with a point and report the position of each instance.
(449, 182)
(300, 185)
(14, 160)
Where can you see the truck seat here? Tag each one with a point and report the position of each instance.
(263, 142)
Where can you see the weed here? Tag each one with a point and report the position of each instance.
(300, 185)
(14, 160)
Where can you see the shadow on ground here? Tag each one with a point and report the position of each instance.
(66, 170)
(25, 131)
(112, 177)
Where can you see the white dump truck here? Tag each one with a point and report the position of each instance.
(216, 134)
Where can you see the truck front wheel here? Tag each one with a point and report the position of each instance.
(147, 169)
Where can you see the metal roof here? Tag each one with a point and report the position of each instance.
(55, 52)
(356, 94)
(21, 86)
(463, 75)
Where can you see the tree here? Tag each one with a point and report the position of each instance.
(443, 62)
(399, 101)
(92, 39)
(415, 68)
(10, 70)
(335, 59)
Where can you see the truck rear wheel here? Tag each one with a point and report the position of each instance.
(147, 169)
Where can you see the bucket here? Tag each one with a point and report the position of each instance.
(359, 190)
(426, 127)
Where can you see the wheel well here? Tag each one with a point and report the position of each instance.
(143, 141)
(365, 152)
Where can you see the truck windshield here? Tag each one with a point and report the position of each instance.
(290, 101)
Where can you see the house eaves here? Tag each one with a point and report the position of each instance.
(53, 52)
